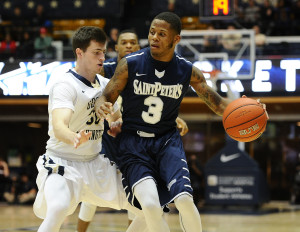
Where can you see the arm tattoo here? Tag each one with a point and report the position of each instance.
(206, 93)
(117, 82)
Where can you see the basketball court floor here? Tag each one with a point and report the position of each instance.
(273, 217)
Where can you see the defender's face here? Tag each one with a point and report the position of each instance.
(94, 56)
(127, 43)
(162, 39)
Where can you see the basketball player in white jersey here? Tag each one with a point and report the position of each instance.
(71, 170)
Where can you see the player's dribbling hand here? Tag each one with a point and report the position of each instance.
(81, 137)
(104, 110)
(262, 105)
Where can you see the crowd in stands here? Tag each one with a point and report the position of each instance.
(26, 31)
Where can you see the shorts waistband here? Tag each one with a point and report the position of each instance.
(72, 157)
(145, 134)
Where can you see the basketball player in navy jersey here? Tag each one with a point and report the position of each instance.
(127, 43)
(153, 82)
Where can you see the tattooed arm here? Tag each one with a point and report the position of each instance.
(206, 93)
(112, 90)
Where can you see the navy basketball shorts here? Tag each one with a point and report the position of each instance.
(161, 158)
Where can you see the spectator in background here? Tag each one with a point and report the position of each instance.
(39, 18)
(25, 50)
(8, 47)
(260, 40)
(112, 42)
(26, 190)
(18, 22)
(42, 46)
(283, 19)
(296, 18)
(231, 42)
(11, 190)
(267, 15)
(251, 14)
(4, 177)
(210, 42)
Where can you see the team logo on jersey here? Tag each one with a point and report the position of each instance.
(159, 74)
(157, 89)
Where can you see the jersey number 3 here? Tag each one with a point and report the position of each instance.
(153, 115)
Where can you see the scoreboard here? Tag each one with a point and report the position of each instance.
(216, 9)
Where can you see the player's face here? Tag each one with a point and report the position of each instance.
(127, 43)
(92, 59)
(162, 40)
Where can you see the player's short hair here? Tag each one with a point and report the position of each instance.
(83, 36)
(128, 31)
(172, 19)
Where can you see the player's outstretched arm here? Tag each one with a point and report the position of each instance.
(60, 121)
(112, 90)
(207, 94)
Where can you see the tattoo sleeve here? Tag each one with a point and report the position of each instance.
(118, 82)
(206, 93)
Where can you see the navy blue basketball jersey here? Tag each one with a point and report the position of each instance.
(154, 91)
(110, 67)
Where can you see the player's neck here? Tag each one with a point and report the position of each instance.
(85, 73)
(164, 58)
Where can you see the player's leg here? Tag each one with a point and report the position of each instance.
(58, 196)
(174, 171)
(147, 195)
(188, 214)
(86, 214)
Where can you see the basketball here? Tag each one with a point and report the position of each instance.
(244, 119)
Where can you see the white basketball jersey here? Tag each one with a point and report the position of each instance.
(76, 93)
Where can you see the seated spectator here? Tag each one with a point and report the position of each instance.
(260, 40)
(18, 22)
(8, 47)
(27, 190)
(296, 18)
(42, 46)
(210, 42)
(20, 190)
(39, 18)
(4, 177)
(113, 37)
(10, 193)
(251, 14)
(283, 18)
(25, 49)
(231, 42)
(267, 15)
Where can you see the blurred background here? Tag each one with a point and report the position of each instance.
(244, 47)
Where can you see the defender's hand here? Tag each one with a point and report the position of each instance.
(182, 126)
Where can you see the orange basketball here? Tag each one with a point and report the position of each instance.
(244, 119)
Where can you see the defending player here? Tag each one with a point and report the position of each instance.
(72, 170)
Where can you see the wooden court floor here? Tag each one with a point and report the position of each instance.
(14, 218)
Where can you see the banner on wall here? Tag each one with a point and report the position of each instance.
(232, 177)
(273, 77)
